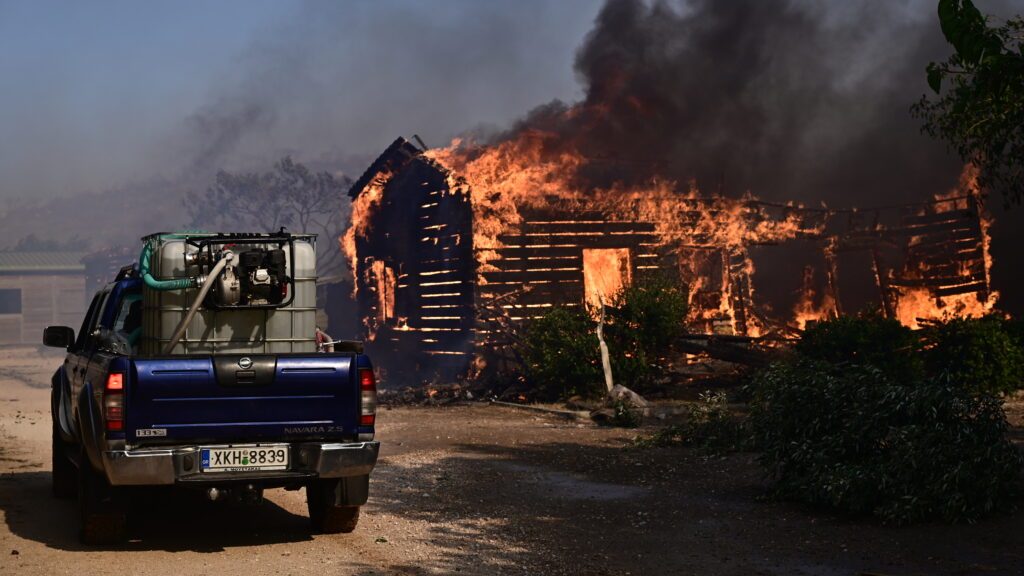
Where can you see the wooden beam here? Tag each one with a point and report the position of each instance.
(541, 252)
(938, 217)
(521, 264)
(586, 227)
(944, 249)
(964, 289)
(596, 241)
(939, 281)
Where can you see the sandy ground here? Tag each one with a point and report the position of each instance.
(479, 489)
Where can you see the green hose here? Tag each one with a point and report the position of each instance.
(155, 284)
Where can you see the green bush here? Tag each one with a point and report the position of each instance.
(709, 425)
(1015, 328)
(869, 340)
(626, 414)
(643, 320)
(982, 354)
(561, 355)
(854, 439)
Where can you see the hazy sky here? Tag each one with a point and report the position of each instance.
(98, 94)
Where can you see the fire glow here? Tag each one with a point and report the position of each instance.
(539, 240)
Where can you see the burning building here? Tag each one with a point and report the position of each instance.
(450, 247)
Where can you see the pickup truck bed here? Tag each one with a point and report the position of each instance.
(228, 424)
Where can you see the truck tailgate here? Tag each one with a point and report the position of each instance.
(241, 398)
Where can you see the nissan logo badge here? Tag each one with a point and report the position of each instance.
(245, 363)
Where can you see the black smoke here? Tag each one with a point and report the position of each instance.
(790, 100)
(787, 99)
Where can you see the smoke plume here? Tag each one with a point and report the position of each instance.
(788, 99)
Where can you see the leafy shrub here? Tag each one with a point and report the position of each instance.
(561, 352)
(643, 321)
(869, 340)
(982, 354)
(1015, 329)
(626, 414)
(561, 355)
(710, 425)
(856, 440)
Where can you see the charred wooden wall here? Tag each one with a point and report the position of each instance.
(416, 274)
(541, 263)
(428, 305)
(945, 250)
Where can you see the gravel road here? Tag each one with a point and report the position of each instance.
(477, 489)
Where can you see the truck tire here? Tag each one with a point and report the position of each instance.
(65, 475)
(103, 514)
(326, 515)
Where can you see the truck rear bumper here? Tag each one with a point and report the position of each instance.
(163, 466)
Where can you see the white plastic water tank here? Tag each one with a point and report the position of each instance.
(289, 328)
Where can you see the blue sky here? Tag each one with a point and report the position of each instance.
(99, 94)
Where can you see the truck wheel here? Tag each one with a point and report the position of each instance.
(103, 518)
(65, 475)
(325, 515)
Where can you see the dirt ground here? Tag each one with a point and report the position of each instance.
(480, 489)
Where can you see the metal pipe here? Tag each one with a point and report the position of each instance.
(203, 291)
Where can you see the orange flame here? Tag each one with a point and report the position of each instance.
(535, 168)
(363, 207)
(917, 304)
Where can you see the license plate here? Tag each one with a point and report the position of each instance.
(244, 458)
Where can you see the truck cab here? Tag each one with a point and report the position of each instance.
(186, 392)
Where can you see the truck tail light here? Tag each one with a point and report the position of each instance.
(367, 397)
(113, 402)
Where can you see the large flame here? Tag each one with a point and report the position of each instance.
(535, 169)
(916, 304)
(363, 207)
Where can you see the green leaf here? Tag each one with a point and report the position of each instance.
(934, 77)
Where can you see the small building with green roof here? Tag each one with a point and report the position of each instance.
(39, 289)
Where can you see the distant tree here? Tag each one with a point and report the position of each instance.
(979, 103)
(290, 195)
(33, 243)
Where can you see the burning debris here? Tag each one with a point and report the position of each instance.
(451, 247)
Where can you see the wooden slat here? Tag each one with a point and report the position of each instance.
(600, 241)
(440, 275)
(557, 294)
(951, 236)
(439, 323)
(943, 249)
(940, 217)
(577, 227)
(938, 281)
(973, 254)
(462, 298)
(551, 275)
(558, 252)
(441, 340)
(957, 269)
(455, 261)
(437, 242)
(465, 346)
(554, 215)
(522, 264)
(964, 289)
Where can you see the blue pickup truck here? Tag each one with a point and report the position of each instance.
(228, 403)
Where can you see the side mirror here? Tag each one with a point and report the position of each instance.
(58, 336)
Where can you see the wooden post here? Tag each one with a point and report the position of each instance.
(606, 362)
